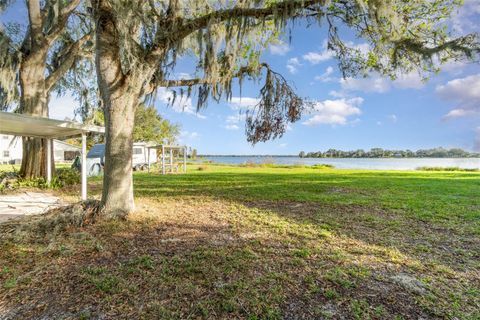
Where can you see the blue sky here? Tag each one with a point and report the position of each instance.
(349, 113)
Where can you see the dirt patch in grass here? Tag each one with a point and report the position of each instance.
(198, 257)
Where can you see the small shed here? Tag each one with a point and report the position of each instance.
(38, 127)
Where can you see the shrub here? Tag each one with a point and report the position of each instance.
(323, 166)
(447, 169)
(11, 180)
(65, 177)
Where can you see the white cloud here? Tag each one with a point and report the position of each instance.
(458, 113)
(325, 54)
(231, 127)
(337, 94)
(325, 77)
(232, 119)
(454, 67)
(62, 108)
(393, 118)
(465, 92)
(466, 19)
(280, 49)
(378, 84)
(236, 118)
(181, 104)
(317, 57)
(188, 135)
(409, 81)
(233, 122)
(282, 145)
(292, 69)
(370, 84)
(293, 64)
(364, 48)
(321, 56)
(184, 75)
(238, 103)
(334, 112)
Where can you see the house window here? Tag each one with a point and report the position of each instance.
(6, 154)
(5, 137)
(137, 151)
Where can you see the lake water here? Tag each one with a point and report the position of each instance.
(355, 163)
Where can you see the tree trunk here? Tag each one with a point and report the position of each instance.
(117, 195)
(34, 101)
(120, 94)
(34, 158)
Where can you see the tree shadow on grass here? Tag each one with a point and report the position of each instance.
(221, 245)
(217, 259)
(445, 200)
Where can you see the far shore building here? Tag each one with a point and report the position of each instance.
(11, 150)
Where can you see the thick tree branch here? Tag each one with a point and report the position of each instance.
(182, 82)
(59, 27)
(71, 53)
(191, 82)
(468, 45)
(185, 27)
(191, 25)
(35, 20)
(69, 8)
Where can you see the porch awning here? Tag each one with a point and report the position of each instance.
(30, 126)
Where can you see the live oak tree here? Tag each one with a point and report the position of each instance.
(150, 126)
(34, 62)
(137, 44)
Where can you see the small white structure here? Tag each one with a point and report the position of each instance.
(172, 158)
(11, 150)
(30, 126)
(143, 155)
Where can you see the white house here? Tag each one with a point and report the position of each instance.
(11, 150)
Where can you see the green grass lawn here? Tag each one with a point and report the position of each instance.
(266, 242)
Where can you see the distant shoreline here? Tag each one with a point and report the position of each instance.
(350, 163)
(296, 156)
(373, 153)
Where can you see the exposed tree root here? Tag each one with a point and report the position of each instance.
(52, 222)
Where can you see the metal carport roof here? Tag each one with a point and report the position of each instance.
(30, 126)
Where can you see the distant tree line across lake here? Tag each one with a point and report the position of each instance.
(384, 153)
